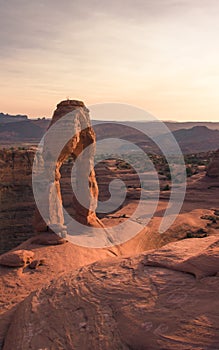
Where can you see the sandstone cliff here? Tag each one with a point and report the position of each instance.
(16, 198)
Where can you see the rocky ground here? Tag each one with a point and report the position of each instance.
(158, 296)
(161, 299)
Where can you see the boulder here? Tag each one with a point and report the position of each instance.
(16, 258)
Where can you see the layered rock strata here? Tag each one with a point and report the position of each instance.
(16, 197)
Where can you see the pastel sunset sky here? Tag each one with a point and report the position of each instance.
(159, 55)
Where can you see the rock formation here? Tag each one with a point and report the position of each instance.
(70, 131)
(17, 258)
(16, 197)
(162, 299)
(17, 205)
(213, 168)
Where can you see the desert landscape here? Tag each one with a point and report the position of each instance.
(109, 175)
(154, 291)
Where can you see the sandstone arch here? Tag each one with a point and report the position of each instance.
(81, 135)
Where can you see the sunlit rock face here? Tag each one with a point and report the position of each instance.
(71, 123)
(213, 168)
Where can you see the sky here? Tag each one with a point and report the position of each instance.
(158, 55)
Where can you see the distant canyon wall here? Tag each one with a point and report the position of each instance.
(16, 197)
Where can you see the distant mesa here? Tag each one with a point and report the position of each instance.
(7, 118)
(19, 128)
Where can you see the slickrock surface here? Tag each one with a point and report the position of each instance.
(17, 283)
(163, 299)
(213, 168)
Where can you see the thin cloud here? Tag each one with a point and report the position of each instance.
(138, 52)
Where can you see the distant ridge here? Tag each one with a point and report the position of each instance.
(196, 139)
(172, 125)
(7, 118)
(22, 131)
(192, 136)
